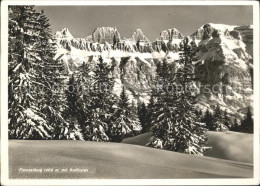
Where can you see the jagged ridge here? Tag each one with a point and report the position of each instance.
(222, 50)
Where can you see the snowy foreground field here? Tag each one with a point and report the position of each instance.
(79, 159)
(235, 146)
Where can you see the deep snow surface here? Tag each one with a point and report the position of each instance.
(235, 146)
(114, 160)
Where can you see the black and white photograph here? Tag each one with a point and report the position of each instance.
(133, 92)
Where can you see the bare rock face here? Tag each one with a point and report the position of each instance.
(170, 34)
(168, 41)
(138, 35)
(105, 34)
(207, 31)
(204, 32)
(247, 36)
(141, 42)
(137, 75)
(235, 34)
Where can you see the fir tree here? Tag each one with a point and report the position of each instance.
(247, 125)
(150, 108)
(80, 100)
(235, 126)
(124, 122)
(175, 125)
(227, 121)
(142, 114)
(40, 106)
(25, 118)
(219, 120)
(50, 73)
(199, 114)
(208, 120)
(72, 98)
(73, 110)
(101, 104)
(134, 108)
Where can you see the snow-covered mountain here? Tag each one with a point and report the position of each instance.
(225, 52)
(225, 67)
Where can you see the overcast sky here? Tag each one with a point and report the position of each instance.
(82, 20)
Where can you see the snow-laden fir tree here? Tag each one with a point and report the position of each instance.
(84, 83)
(101, 105)
(175, 125)
(160, 115)
(227, 121)
(136, 125)
(218, 120)
(25, 118)
(35, 110)
(73, 109)
(53, 102)
(125, 122)
(199, 114)
(79, 98)
(150, 111)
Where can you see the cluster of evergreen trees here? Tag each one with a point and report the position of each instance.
(38, 106)
(35, 112)
(246, 124)
(219, 120)
(93, 106)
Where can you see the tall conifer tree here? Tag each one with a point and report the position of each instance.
(125, 122)
(54, 102)
(25, 118)
(247, 125)
(175, 125)
(101, 105)
(219, 120)
(143, 117)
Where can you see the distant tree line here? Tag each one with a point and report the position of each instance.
(218, 120)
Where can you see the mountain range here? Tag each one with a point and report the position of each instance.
(225, 53)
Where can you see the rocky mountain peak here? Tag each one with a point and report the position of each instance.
(170, 34)
(206, 30)
(138, 35)
(105, 34)
(246, 33)
(64, 33)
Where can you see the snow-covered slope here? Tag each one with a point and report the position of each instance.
(91, 160)
(227, 145)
